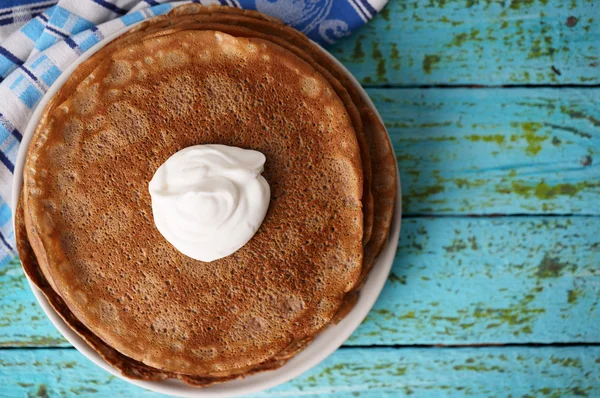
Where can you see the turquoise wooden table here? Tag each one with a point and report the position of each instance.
(493, 107)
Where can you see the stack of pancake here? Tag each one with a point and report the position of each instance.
(204, 75)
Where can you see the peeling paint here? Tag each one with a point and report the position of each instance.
(358, 54)
(497, 138)
(394, 53)
(426, 192)
(517, 4)
(385, 13)
(429, 61)
(397, 278)
(544, 191)
(42, 391)
(573, 295)
(580, 115)
(534, 141)
(456, 246)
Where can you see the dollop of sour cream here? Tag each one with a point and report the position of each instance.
(209, 200)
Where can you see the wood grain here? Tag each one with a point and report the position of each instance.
(482, 42)
(454, 281)
(376, 372)
(495, 151)
(22, 321)
(490, 281)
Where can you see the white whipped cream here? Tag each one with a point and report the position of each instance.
(209, 200)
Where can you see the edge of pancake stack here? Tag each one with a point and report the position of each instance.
(366, 160)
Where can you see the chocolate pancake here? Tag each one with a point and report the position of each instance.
(88, 213)
(372, 140)
(224, 19)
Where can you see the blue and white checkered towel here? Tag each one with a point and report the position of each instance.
(40, 38)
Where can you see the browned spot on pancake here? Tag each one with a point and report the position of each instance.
(86, 100)
(172, 59)
(204, 55)
(130, 122)
(107, 312)
(179, 93)
(80, 296)
(94, 124)
(72, 130)
(205, 353)
(311, 87)
(120, 73)
(142, 74)
(112, 95)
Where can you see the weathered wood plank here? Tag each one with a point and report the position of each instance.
(22, 321)
(490, 280)
(490, 151)
(455, 281)
(377, 372)
(487, 42)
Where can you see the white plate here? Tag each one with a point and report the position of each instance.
(323, 345)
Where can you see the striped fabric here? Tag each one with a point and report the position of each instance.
(40, 38)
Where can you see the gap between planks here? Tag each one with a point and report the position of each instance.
(390, 346)
(495, 216)
(480, 86)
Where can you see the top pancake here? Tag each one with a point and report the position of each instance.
(89, 217)
(379, 190)
(379, 193)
